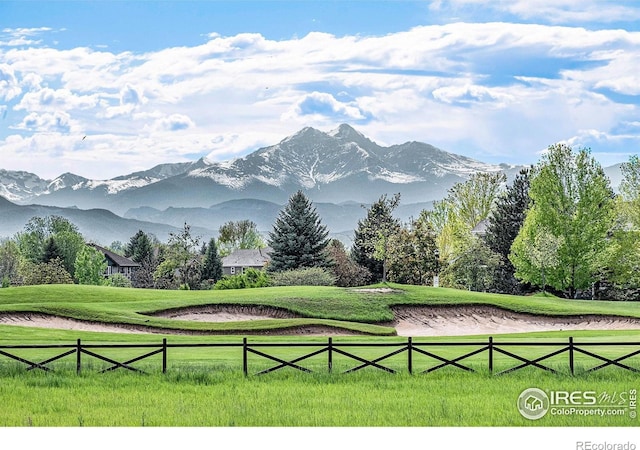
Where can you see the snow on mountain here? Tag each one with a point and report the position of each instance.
(16, 185)
(338, 165)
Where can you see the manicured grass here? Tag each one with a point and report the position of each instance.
(351, 309)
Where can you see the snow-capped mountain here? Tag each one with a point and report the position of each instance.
(20, 185)
(311, 159)
(336, 166)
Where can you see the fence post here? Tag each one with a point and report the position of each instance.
(330, 354)
(245, 365)
(78, 358)
(164, 355)
(571, 366)
(490, 354)
(410, 354)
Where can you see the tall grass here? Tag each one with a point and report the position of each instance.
(224, 398)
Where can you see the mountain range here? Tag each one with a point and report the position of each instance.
(339, 170)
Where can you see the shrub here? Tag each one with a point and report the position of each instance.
(6, 282)
(251, 278)
(311, 276)
(118, 280)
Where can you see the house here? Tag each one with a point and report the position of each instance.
(239, 260)
(481, 228)
(117, 263)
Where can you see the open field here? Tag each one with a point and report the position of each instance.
(206, 386)
(220, 398)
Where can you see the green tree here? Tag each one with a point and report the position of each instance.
(372, 235)
(535, 252)
(51, 250)
(141, 249)
(182, 256)
(474, 269)
(9, 261)
(212, 264)
(299, 238)
(504, 224)
(464, 207)
(240, 235)
(413, 255)
(33, 240)
(572, 199)
(630, 189)
(90, 266)
(52, 272)
(347, 272)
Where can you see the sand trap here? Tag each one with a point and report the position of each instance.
(61, 323)
(481, 319)
(409, 321)
(226, 313)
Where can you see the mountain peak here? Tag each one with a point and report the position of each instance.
(346, 133)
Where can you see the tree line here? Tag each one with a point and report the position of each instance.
(558, 227)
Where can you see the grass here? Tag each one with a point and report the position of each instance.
(349, 309)
(224, 399)
(206, 386)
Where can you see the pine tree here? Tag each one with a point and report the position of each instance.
(298, 238)
(212, 264)
(372, 234)
(51, 251)
(505, 223)
(140, 249)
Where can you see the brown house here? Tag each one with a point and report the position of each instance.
(117, 263)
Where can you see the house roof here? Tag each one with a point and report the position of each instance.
(481, 227)
(117, 259)
(248, 258)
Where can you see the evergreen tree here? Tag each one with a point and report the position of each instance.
(505, 222)
(372, 234)
(298, 238)
(51, 251)
(141, 250)
(212, 264)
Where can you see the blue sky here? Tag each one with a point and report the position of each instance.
(103, 88)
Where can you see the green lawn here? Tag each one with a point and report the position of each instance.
(206, 386)
(350, 309)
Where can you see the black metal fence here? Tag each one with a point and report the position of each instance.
(412, 350)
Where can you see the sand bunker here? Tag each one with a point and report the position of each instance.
(409, 321)
(483, 319)
(61, 323)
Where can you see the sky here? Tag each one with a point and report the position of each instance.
(107, 88)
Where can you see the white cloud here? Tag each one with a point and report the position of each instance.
(48, 99)
(9, 87)
(174, 122)
(58, 121)
(322, 105)
(495, 90)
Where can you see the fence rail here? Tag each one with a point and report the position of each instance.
(412, 349)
